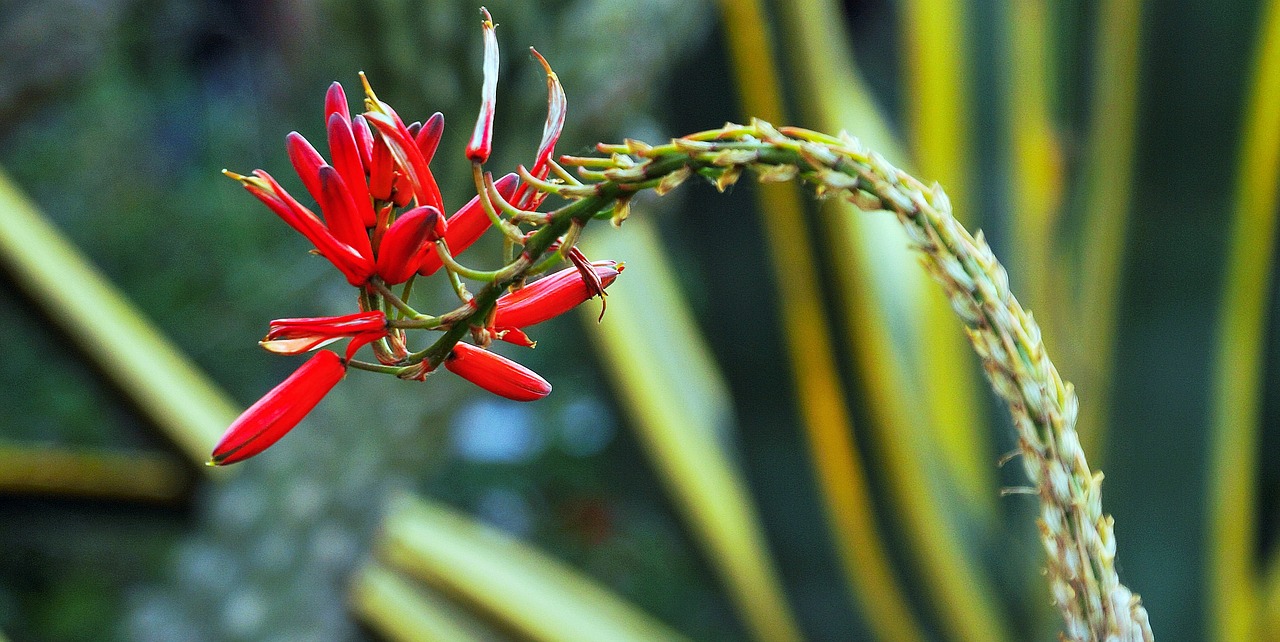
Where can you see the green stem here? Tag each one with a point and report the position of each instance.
(395, 301)
(376, 367)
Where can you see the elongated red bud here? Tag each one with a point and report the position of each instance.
(346, 159)
(551, 296)
(364, 140)
(406, 242)
(428, 138)
(381, 170)
(306, 162)
(335, 102)
(296, 336)
(276, 413)
(482, 137)
(467, 225)
(356, 267)
(496, 373)
(340, 213)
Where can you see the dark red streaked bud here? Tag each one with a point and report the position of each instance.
(551, 296)
(306, 162)
(496, 373)
(364, 140)
(467, 225)
(589, 276)
(407, 155)
(276, 413)
(428, 138)
(406, 242)
(481, 142)
(354, 266)
(346, 159)
(557, 107)
(296, 336)
(340, 213)
(335, 102)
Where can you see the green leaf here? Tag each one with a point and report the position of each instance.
(532, 594)
(133, 353)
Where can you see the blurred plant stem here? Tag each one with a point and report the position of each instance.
(938, 92)
(1106, 181)
(172, 392)
(845, 488)
(530, 594)
(398, 610)
(83, 472)
(882, 288)
(1035, 185)
(1238, 367)
(667, 380)
(1035, 159)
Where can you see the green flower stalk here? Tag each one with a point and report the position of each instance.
(1078, 538)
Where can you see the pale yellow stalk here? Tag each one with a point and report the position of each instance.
(938, 94)
(1108, 182)
(846, 491)
(1238, 370)
(882, 289)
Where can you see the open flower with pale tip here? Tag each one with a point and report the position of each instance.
(296, 336)
(357, 267)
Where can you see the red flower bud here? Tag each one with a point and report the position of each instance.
(276, 413)
(382, 169)
(340, 213)
(551, 296)
(406, 243)
(496, 373)
(306, 162)
(346, 159)
(335, 102)
(467, 225)
(428, 138)
(364, 140)
(356, 267)
(296, 336)
(482, 137)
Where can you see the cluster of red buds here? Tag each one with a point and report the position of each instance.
(383, 225)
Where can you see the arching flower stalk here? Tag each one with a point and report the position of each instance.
(382, 224)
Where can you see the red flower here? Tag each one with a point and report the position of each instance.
(354, 265)
(296, 336)
(275, 414)
(550, 296)
(407, 241)
(557, 106)
(496, 373)
(482, 138)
